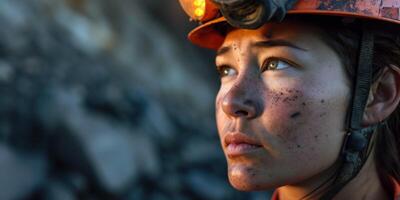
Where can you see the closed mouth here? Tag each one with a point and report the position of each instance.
(239, 144)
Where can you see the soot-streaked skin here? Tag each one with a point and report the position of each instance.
(296, 112)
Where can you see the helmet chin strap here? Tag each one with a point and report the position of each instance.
(356, 146)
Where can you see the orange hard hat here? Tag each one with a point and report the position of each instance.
(208, 36)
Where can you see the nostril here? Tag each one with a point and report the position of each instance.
(236, 104)
(241, 113)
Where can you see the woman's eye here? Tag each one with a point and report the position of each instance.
(226, 71)
(274, 64)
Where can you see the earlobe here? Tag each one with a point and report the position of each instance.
(384, 97)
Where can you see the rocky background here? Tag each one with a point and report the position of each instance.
(106, 99)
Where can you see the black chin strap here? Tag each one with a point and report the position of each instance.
(355, 149)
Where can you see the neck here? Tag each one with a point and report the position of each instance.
(366, 185)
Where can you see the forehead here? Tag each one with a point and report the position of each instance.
(296, 32)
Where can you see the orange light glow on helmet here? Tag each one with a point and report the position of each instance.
(206, 35)
(199, 10)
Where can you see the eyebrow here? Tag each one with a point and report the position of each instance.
(264, 44)
(223, 50)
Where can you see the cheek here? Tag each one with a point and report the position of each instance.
(221, 118)
(301, 129)
(218, 111)
(304, 124)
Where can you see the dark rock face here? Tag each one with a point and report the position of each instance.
(105, 100)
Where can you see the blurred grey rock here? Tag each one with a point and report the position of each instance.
(158, 196)
(75, 181)
(106, 151)
(207, 186)
(136, 193)
(20, 174)
(16, 13)
(157, 123)
(261, 195)
(57, 190)
(199, 150)
(172, 182)
(90, 34)
(119, 104)
(147, 159)
(6, 72)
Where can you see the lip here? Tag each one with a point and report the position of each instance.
(240, 144)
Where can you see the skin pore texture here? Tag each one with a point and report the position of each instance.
(284, 94)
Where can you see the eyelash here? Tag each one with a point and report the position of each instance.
(221, 68)
(264, 66)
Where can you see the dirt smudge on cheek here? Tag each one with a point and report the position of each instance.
(295, 115)
(288, 96)
(251, 172)
(292, 124)
(290, 105)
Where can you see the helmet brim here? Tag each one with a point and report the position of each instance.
(208, 36)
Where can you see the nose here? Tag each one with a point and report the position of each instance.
(242, 101)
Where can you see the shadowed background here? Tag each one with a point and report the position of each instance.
(106, 99)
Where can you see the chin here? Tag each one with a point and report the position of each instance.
(248, 182)
(249, 186)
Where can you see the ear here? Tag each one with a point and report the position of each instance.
(384, 97)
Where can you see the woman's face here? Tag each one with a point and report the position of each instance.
(281, 107)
